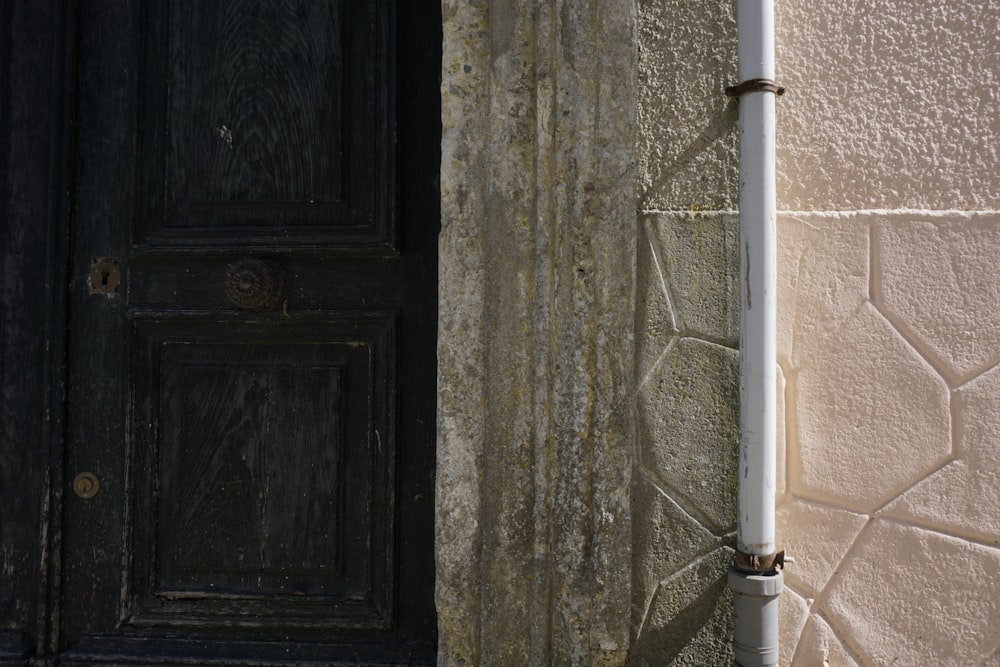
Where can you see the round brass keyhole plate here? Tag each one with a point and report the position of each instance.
(86, 485)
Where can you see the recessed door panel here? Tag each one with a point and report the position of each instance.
(247, 82)
(266, 124)
(263, 478)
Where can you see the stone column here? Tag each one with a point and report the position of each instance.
(535, 359)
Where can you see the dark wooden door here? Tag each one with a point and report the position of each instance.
(248, 456)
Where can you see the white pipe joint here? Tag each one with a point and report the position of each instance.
(755, 617)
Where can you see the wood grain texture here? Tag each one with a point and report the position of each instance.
(264, 473)
(248, 471)
(266, 480)
(29, 116)
(254, 113)
(268, 120)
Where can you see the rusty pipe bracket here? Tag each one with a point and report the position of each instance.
(753, 86)
(757, 564)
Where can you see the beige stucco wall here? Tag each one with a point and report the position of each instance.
(889, 339)
(889, 305)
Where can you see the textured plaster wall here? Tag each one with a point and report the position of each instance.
(889, 351)
(888, 312)
(687, 331)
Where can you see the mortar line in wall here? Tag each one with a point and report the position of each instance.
(844, 638)
(708, 338)
(825, 504)
(936, 364)
(719, 541)
(685, 211)
(977, 373)
(667, 349)
(938, 529)
(701, 524)
(821, 596)
(951, 380)
(806, 597)
(926, 212)
(843, 213)
(662, 273)
(954, 425)
(874, 267)
(793, 467)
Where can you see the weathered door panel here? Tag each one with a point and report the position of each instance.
(255, 396)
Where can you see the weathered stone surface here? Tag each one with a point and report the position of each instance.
(872, 416)
(905, 595)
(820, 645)
(938, 279)
(914, 128)
(822, 277)
(793, 612)
(817, 536)
(654, 319)
(461, 373)
(536, 361)
(701, 260)
(688, 427)
(688, 137)
(690, 619)
(664, 537)
(964, 496)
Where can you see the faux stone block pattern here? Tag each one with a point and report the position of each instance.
(700, 255)
(938, 280)
(794, 612)
(665, 540)
(684, 486)
(690, 618)
(865, 396)
(964, 496)
(819, 645)
(893, 420)
(688, 428)
(652, 308)
(823, 277)
(888, 331)
(821, 534)
(904, 612)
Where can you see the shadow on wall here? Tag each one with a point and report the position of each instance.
(690, 617)
(684, 489)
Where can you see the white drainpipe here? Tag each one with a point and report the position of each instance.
(756, 579)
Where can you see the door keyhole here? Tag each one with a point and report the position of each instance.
(104, 275)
